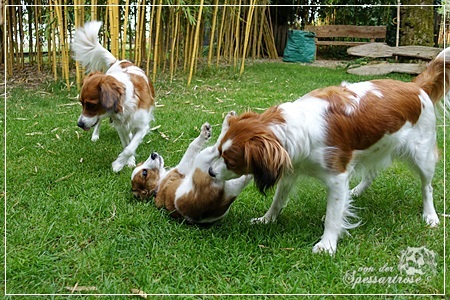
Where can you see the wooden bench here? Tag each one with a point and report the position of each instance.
(371, 33)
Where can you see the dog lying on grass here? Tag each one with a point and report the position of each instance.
(188, 191)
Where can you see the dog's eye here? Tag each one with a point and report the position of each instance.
(231, 166)
(144, 173)
(89, 105)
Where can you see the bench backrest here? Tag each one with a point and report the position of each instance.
(330, 31)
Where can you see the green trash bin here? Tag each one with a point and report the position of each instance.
(300, 47)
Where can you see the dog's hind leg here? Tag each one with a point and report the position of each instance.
(366, 181)
(194, 149)
(424, 164)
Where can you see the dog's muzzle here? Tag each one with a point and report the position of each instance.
(82, 125)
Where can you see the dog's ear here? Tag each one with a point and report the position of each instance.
(91, 75)
(111, 94)
(268, 160)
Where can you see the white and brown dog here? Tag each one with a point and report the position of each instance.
(123, 93)
(187, 191)
(332, 132)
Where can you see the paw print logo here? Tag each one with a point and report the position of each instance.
(417, 261)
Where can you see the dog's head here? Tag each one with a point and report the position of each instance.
(146, 176)
(100, 96)
(247, 145)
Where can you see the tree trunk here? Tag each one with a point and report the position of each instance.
(417, 23)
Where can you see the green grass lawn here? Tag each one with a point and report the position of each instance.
(72, 222)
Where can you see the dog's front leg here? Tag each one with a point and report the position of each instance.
(335, 218)
(195, 147)
(127, 155)
(280, 200)
(96, 133)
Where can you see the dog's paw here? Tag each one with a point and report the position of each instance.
(131, 162)
(262, 220)
(355, 193)
(117, 166)
(231, 114)
(206, 131)
(95, 137)
(432, 220)
(324, 247)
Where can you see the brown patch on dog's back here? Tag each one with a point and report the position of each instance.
(339, 98)
(371, 119)
(144, 91)
(125, 64)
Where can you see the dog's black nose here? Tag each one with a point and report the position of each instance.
(211, 173)
(154, 155)
(80, 124)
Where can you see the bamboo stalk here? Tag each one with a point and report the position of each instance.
(10, 36)
(247, 35)
(114, 24)
(125, 29)
(174, 42)
(213, 29)
(53, 45)
(139, 33)
(158, 26)
(64, 52)
(178, 45)
(255, 32)
(78, 23)
(142, 33)
(260, 32)
(22, 36)
(230, 37)
(196, 38)
(152, 17)
(37, 10)
(237, 35)
(93, 10)
(220, 35)
(270, 40)
(106, 25)
(187, 42)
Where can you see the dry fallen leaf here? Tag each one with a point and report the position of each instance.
(64, 177)
(139, 293)
(164, 136)
(80, 288)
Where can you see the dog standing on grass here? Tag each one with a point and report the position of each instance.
(332, 132)
(123, 93)
(187, 191)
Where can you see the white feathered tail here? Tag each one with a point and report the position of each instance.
(88, 51)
